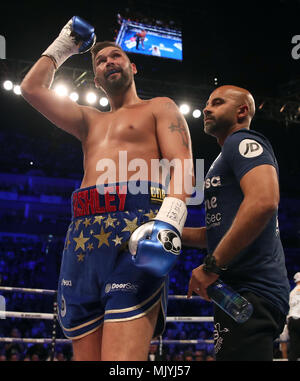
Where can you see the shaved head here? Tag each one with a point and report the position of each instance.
(228, 108)
(240, 95)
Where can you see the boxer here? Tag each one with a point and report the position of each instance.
(112, 300)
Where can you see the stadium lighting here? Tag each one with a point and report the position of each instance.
(103, 101)
(91, 97)
(196, 113)
(17, 89)
(74, 96)
(8, 85)
(184, 109)
(61, 90)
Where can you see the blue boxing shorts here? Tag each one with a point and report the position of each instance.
(98, 280)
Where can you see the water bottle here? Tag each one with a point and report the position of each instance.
(230, 301)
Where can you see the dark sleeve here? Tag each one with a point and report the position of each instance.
(244, 151)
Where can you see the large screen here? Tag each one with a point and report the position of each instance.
(150, 40)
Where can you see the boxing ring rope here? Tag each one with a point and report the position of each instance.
(53, 316)
(53, 292)
(30, 290)
(67, 341)
(47, 316)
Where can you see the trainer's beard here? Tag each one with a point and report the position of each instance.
(118, 86)
(210, 127)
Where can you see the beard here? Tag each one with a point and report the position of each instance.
(211, 127)
(117, 86)
(218, 126)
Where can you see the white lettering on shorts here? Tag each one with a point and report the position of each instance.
(125, 287)
(66, 283)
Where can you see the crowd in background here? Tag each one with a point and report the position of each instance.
(27, 254)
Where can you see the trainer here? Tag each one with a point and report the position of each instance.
(241, 234)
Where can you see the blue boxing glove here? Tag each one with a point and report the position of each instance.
(76, 37)
(155, 246)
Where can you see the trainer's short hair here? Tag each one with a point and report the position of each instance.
(101, 45)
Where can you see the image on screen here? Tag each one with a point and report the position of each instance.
(150, 40)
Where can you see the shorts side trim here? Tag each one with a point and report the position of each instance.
(84, 334)
(81, 325)
(135, 316)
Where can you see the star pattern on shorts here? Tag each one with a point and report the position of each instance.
(110, 222)
(131, 225)
(77, 223)
(67, 242)
(98, 219)
(87, 222)
(80, 257)
(90, 246)
(117, 240)
(150, 215)
(80, 241)
(102, 237)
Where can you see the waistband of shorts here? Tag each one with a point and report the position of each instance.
(122, 197)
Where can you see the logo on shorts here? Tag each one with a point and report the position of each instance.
(63, 308)
(170, 241)
(66, 283)
(157, 195)
(125, 287)
(250, 148)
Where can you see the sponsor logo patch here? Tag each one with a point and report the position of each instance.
(170, 241)
(250, 148)
(124, 287)
(157, 195)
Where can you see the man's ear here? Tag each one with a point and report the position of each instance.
(96, 83)
(243, 111)
(134, 69)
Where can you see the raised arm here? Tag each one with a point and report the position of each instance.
(35, 87)
(62, 112)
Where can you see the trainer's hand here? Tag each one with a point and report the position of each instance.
(77, 36)
(155, 246)
(199, 282)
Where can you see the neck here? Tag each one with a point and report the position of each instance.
(127, 98)
(223, 136)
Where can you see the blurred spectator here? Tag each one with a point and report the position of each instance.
(199, 355)
(13, 355)
(188, 356)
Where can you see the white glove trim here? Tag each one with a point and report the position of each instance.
(63, 46)
(174, 212)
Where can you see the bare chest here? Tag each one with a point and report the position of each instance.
(125, 126)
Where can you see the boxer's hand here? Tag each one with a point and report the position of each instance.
(77, 36)
(155, 246)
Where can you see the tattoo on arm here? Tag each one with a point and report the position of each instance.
(179, 127)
